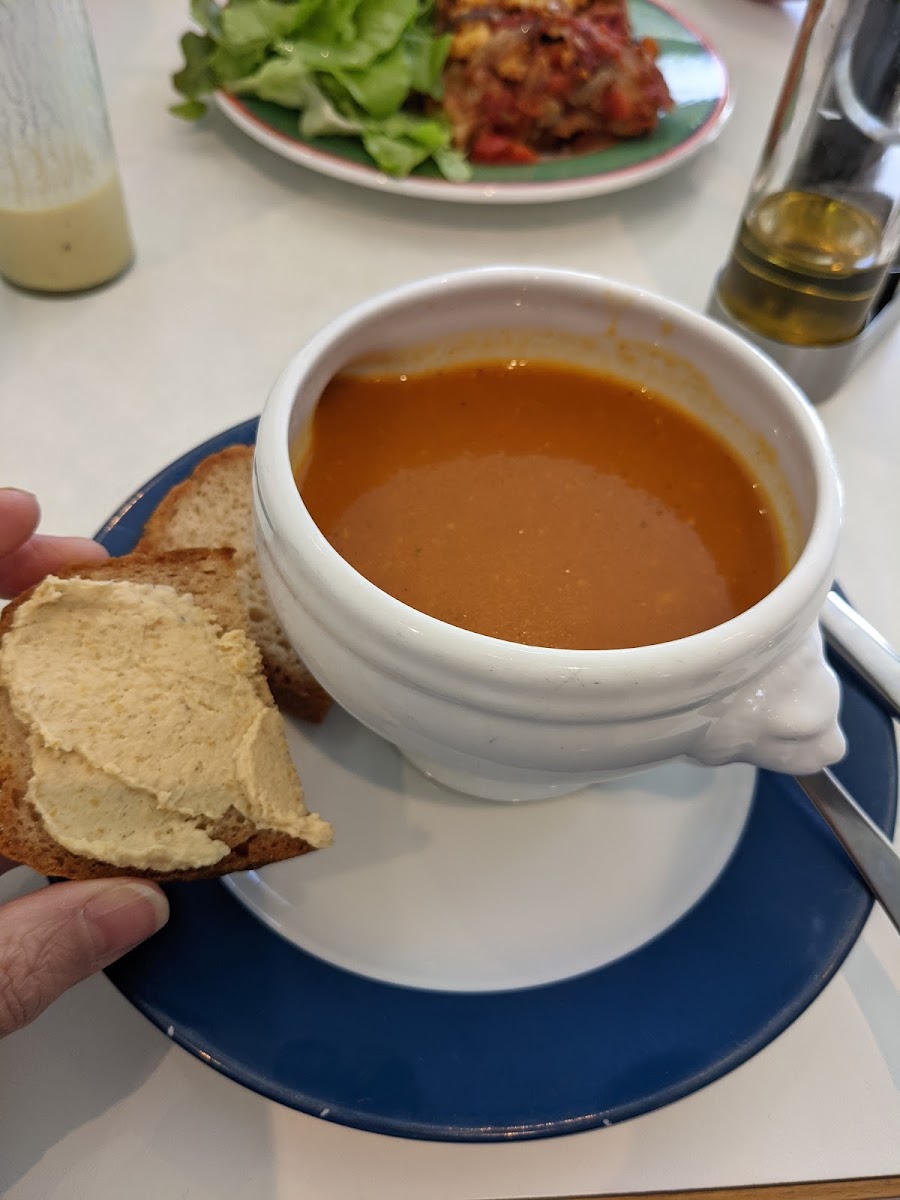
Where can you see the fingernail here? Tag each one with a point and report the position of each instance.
(122, 914)
(19, 492)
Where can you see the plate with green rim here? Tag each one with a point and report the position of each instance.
(694, 72)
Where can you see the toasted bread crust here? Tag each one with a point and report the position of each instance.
(208, 576)
(234, 463)
(213, 507)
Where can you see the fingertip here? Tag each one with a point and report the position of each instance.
(19, 496)
(84, 549)
(99, 552)
(42, 555)
(157, 898)
(57, 936)
(20, 515)
(122, 913)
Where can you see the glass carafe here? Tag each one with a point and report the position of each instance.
(821, 225)
(62, 216)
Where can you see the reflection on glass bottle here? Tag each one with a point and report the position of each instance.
(823, 221)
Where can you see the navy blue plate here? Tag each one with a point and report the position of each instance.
(593, 1050)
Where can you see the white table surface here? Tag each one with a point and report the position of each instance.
(241, 257)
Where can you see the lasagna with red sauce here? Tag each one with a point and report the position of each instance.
(531, 77)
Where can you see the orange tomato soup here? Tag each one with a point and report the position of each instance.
(539, 503)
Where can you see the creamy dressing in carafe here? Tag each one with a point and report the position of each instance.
(63, 225)
(68, 246)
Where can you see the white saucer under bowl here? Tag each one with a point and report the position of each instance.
(427, 888)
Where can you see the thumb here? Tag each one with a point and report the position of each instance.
(56, 937)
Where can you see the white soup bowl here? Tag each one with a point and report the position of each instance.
(505, 721)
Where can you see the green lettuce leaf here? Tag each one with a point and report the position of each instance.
(426, 56)
(383, 87)
(403, 141)
(208, 15)
(452, 164)
(188, 110)
(196, 78)
(430, 132)
(282, 80)
(228, 65)
(321, 116)
(333, 23)
(395, 156)
(379, 26)
(262, 22)
(347, 67)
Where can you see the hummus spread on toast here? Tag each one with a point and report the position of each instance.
(148, 726)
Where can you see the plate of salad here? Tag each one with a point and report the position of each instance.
(478, 101)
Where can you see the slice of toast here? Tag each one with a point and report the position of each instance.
(208, 576)
(214, 507)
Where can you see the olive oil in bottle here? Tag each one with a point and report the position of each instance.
(804, 269)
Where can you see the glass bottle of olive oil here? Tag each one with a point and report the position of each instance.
(821, 225)
(804, 269)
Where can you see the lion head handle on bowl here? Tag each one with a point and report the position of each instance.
(784, 720)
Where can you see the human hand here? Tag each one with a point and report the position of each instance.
(60, 935)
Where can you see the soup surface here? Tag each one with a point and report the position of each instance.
(538, 503)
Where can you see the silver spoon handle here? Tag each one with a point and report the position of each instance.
(873, 855)
(864, 648)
